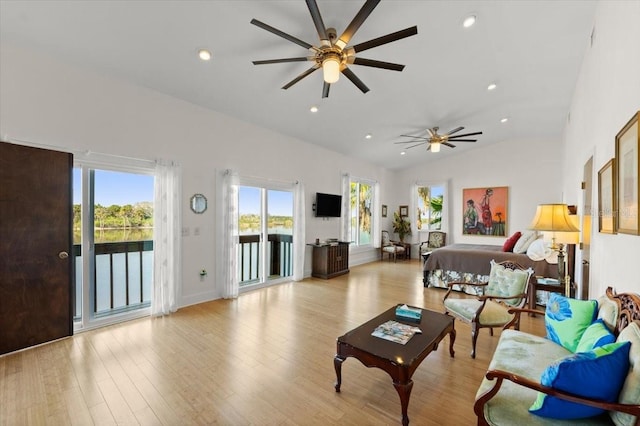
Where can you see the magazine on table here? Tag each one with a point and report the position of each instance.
(396, 331)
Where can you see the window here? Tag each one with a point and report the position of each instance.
(429, 202)
(361, 199)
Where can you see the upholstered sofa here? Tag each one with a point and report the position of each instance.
(513, 381)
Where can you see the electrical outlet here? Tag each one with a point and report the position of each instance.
(196, 230)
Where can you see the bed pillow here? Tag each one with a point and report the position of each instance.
(538, 250)
(511, 242)
(596, 335)
(566, 319)
(525, 241)
(597, 374)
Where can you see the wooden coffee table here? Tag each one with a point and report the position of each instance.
(399, 361)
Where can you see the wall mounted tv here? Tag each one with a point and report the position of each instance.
(328, 205)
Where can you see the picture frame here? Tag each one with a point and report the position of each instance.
(627, 161)
(607, 215)
(404, 211)
(484, 211)
(384, 210)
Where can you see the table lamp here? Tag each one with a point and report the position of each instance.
(555, 220)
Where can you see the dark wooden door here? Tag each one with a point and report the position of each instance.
(35, 243)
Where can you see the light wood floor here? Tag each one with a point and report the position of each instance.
(263, 359)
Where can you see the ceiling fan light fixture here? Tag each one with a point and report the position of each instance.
(331, 68)
(435, 147)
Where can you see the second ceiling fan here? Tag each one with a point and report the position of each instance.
(435, 139)
(332, 54)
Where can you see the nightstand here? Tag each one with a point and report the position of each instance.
(546, 284)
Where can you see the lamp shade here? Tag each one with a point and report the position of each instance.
(553, 217)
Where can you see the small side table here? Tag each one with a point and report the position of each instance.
(536, 285)
(406, 246)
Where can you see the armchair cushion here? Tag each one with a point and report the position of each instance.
(596, 335)
(566, 319)
(597, 374)
(507, 282)
(493, 313)
(630, 393)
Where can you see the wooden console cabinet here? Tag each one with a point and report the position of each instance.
(330, 260)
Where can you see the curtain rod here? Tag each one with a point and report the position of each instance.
(73, 151)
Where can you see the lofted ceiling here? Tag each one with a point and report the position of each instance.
(532, 51)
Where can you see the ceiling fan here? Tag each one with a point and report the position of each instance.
(436, 139)
(333, 54)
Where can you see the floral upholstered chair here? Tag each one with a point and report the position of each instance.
(388, 246)
(506, 289)
(435, 239)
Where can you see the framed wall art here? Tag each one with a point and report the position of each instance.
(485, 211)
(404, 211)
(384, 210)
(607, 198)
(627, 160)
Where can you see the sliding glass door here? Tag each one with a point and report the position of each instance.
(113, 243)
(265, 226)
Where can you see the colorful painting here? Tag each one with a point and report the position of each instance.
(485, 211)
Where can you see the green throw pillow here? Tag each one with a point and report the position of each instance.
(596, 335)
(567, 319)
(597, 374)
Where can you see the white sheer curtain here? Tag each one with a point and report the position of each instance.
(376, 229)
(167, 243)
(299, 246)
(413, 212)
(345, 218)
(230, 285)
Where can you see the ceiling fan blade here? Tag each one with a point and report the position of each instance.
(462, 140)
(355, 80)
(416, 137)
(429, 147)
(448, 144)
(282, 34)
(360, 17)
(300, 77)
(398, 35)
(431, 132)
(466, 134)
(418, 144)
(325, 89)
(378, 64)
(457, 129)
(317, 21)
(278, 61)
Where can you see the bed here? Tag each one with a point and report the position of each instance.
(471, 263)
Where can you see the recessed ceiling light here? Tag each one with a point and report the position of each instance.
(313, 109)
(402, 153)
(368, 136)
(504, 120)
(204, 54)
(469, 21)
(492, 86)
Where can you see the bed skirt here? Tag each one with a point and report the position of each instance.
(441, 278)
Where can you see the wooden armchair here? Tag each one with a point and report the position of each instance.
(389, 247)
(506, 289)
(435, 239)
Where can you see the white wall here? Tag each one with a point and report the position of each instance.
(529, 168)
(607, 95)
(45, 101)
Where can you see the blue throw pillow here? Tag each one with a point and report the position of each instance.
(566, 319)
(597, 374)
(596, 335)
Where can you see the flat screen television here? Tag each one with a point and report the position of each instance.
(328, 205)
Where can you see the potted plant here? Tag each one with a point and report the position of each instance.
(401, 226)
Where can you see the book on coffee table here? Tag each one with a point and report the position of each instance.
(395, 331)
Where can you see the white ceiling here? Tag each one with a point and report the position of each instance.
(531, 49)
